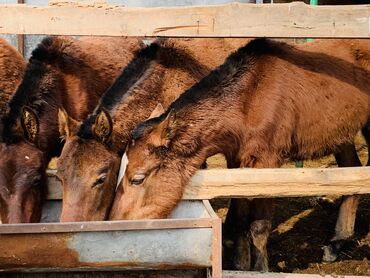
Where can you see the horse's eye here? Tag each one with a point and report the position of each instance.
(138, 179)
(36, 181)
(100, 180)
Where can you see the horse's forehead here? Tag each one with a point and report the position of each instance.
(140, 145)
(140, 156)
(82, 153)
(20, 153)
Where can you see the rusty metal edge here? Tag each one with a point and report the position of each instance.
(100, 269)
(125, 225)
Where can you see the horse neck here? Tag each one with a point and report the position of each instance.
(50, 141)
(94, 65)
(84, 87)
(12, 66)
(162, 83)
(137, 105)
(208, 117)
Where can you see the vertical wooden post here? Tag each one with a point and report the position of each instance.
(216, 241)
(21, 36)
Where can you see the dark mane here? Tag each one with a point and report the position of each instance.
(59, 51)
(130, 74)
(163, 51)
(28, 92)
(27, 95)
(45, 52)
(1, 129)
(234, 65)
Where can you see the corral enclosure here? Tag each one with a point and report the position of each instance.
(357, 177)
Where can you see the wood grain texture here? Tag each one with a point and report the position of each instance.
(243, 274)
(228, 20)
(260, 183)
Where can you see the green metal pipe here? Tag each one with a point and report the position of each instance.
(299, 163)
(313, 3)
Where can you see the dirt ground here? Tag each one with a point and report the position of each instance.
(302, 226)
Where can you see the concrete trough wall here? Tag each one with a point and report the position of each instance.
(189, 239)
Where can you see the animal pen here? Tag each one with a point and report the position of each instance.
(48, 247)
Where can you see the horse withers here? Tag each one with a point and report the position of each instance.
(267, 104)
(159, 73)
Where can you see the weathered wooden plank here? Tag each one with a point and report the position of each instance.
(229, 20)
(169, 273)
(244, 274)
(259, 183)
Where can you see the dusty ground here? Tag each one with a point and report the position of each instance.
(302, 226)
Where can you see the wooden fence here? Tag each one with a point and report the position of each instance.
(231, 20)
(265, 183)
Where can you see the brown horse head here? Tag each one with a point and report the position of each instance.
(62, 72)
(22, 172)
(87, 190)
(29, 140)
(90, 160)
(12, 67)
(157, 74)
(141, 194)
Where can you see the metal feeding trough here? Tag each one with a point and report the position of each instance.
(190, 238)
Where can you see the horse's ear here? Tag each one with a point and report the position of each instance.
(30, 124)
(170, 126)
(67, 125)
(164, 132)
(103, 127)
(158, 110)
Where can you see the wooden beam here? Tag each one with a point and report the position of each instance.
(20, 37)
(230, 20)
(261, 183)
(251, 274)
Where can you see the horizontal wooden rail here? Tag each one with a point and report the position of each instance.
(260, 183)
(228, 20)
(250, 274)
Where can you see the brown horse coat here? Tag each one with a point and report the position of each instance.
(268, 103)
(89, 163)
(12, 66)
(62, 72)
